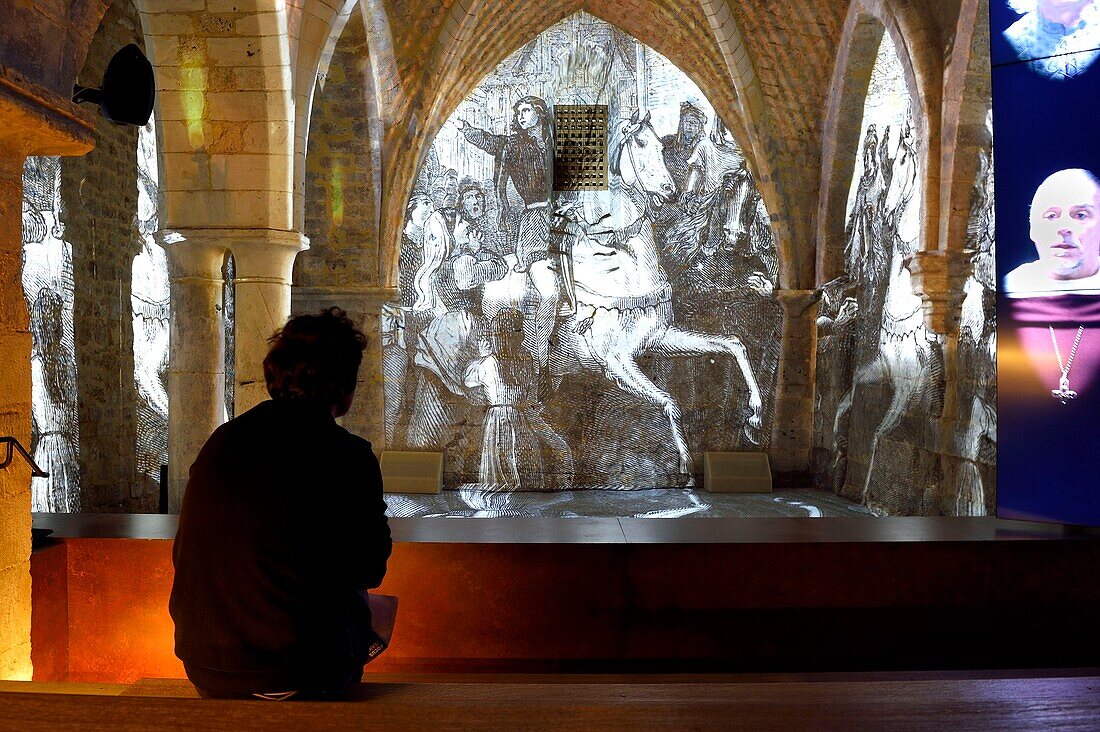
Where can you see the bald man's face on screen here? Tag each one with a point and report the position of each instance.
(1064, 225)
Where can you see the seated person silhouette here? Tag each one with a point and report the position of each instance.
(281, 527)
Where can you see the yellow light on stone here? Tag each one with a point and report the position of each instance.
(22, 672)
(193, 84)
(337, 191)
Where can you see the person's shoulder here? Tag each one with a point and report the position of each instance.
(1025, 278)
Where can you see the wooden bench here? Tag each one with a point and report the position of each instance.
(623, 702)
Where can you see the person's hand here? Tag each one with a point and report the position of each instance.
(461, 124)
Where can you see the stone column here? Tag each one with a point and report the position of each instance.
(196, 361)
(264, 261)
(33, 121)
(364, 306)
(792, 426)
(15, 421)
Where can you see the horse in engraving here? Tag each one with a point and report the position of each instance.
(902, 351)
(624, 306)
(724, 242)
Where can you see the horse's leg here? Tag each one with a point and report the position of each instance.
(903, 391)
(678, 342)
(629, 377)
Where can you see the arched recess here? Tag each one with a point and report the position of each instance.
(493, 33)
(314, 39)
(913, 37)
(341, 171)
(462, 209)
(82, 277)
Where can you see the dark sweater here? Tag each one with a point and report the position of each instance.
(282, 524)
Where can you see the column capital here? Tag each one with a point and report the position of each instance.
(39, 122)
(796, 303)
(937, 277)
(265, 255)
(260, 255)
(191, 256)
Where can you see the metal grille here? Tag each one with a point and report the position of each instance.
(580, 141)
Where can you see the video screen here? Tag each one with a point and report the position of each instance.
(1047, 163)
(1058, 40)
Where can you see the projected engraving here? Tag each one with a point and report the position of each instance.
(48, 286)
(149, 296)
(48, 283)
(976, 384)
(871, 325)
(557, 331)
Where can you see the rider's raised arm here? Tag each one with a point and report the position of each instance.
(487, 141)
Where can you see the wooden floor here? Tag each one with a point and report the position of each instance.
(628, 703)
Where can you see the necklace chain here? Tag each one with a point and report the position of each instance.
(1065, 367)
(1063, 393)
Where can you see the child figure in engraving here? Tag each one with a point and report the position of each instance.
(519, 450)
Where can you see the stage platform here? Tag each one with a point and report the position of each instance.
(629, 595)
(473, 501)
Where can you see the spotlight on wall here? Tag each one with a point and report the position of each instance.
(128, 88)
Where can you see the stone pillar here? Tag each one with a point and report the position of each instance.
(33, 121)
(264, 261)
(196, 360)
(15, 420)
(364, 306)
(792, 426)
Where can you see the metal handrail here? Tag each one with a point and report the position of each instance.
(36, 471)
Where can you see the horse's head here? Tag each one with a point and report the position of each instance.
(636, 157)
(737, 210)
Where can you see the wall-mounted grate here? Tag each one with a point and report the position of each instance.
(580, 142)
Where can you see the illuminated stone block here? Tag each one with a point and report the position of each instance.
(412, 472)
(737, 472)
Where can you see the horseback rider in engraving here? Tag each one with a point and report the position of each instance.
(524, 156)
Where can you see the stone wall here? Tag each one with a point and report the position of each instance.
(905, 388)
(341, 219)
(99, 198)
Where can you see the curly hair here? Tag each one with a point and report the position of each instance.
(315, 357)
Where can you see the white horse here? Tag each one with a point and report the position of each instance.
(624, 300)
